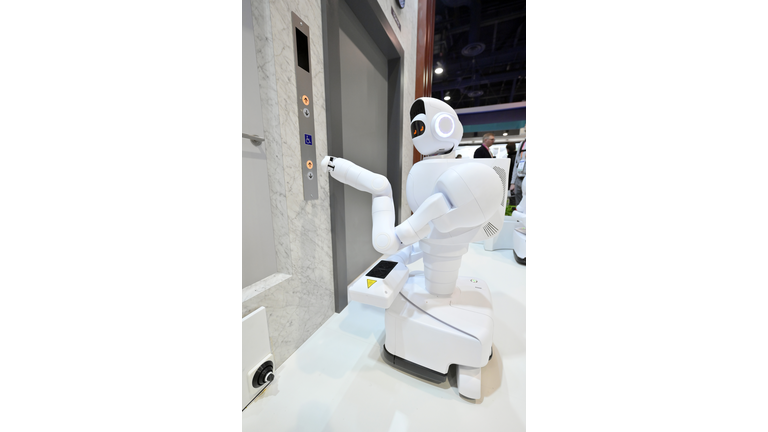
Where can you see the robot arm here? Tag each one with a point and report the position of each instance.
(417, 226)
(357, 177)
(384, 238)
(387, 238)
(407, 255)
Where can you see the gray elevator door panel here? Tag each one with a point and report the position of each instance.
(364, 122)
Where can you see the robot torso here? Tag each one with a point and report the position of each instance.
(475, 188)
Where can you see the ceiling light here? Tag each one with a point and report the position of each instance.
(447, 97)
(438, 70)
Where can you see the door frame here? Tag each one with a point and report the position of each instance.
(371, 16)
(425, 42)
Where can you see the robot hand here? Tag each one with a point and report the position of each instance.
(325, 162)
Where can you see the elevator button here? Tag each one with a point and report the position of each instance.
(306, 112)
(310, 175)
(305, 99)
(309, 164)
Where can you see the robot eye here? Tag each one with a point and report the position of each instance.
(417, 128)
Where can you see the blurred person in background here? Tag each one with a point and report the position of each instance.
(518, 174)
(484, 150)
(511, 150)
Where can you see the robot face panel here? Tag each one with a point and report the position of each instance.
(417, 108)
(417, 128)
(435, 127)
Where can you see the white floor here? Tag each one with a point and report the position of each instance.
(337, 380)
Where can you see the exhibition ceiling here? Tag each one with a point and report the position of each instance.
(480, 46)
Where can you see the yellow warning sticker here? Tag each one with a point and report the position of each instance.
(371, 282)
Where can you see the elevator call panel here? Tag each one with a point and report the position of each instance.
(305, 106)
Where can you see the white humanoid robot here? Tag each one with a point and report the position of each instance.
(433, 318)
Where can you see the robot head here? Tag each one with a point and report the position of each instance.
(435, 127)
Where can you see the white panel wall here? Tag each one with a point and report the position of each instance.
(258, 237)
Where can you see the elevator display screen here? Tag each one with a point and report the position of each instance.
(302, 50)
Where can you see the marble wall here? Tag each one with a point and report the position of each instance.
(299, 297)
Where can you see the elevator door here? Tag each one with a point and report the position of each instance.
(364, 122)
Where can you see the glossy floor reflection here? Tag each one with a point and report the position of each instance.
(337, 380)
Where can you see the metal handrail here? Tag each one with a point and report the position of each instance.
(255, 139)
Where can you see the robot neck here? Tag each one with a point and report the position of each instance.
(450, 154)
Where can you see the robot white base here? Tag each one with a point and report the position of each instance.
(437, 331)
